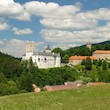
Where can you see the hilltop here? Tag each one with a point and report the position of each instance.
(96, 44)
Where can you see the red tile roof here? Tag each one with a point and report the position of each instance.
(82, 57)
(60, 87)
(101, 52)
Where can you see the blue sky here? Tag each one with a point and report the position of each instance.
(60, 23)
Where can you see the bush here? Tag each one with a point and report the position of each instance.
(8, 88)
(88, 64)
(104, 65)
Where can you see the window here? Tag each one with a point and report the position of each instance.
(45, 60)
(38, 59)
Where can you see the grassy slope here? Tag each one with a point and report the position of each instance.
(93, 98)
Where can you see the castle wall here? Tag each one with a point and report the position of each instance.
(44, 61)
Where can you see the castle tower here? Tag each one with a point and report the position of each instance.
(29, 46)
(88, 45)
(29, 49)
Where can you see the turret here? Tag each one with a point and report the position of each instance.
(47, 50)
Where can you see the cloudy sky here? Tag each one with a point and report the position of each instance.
(60, 23)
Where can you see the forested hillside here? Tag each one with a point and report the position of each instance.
(81, 50)
(9, 65)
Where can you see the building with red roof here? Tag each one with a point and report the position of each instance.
(102, 54)
(75, 60)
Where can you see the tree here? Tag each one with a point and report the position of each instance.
(94, 62)
(2, 78)
(25, 82)
(30, 63)
(58, 50)
(83, 62)
(99, 62)
(107, 47)
(104, 65)
(88, 64)
(65, 59)
(108, 65)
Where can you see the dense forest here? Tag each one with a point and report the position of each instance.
(17, 76)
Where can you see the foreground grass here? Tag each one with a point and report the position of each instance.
(93, 98)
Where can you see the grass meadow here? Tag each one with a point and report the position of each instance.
(91, 98)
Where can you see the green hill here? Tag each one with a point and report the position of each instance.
(97, 44)
(81, 50)
(92, 98)
(9, 65)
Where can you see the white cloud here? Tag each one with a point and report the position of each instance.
(14, 10)
(1, 42)
(4, 26)
(6, 2)
(69, 24)
(15, 47)
(64, 25)
(99, 14)
(25, 31)
(64, 46)
(50, 9)
(76, 37)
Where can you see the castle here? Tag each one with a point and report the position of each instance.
(45, 59)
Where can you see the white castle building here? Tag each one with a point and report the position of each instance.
(45, 59)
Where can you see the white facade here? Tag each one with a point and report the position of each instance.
(44, 59)
(75, 62)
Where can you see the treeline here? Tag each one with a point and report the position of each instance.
(89, 71)
(81, 51)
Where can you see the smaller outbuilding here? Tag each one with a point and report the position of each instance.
(75, 60)
(102, 54)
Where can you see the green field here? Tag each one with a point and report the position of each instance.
(92, 98)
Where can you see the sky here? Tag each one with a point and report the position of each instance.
(59, 23)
